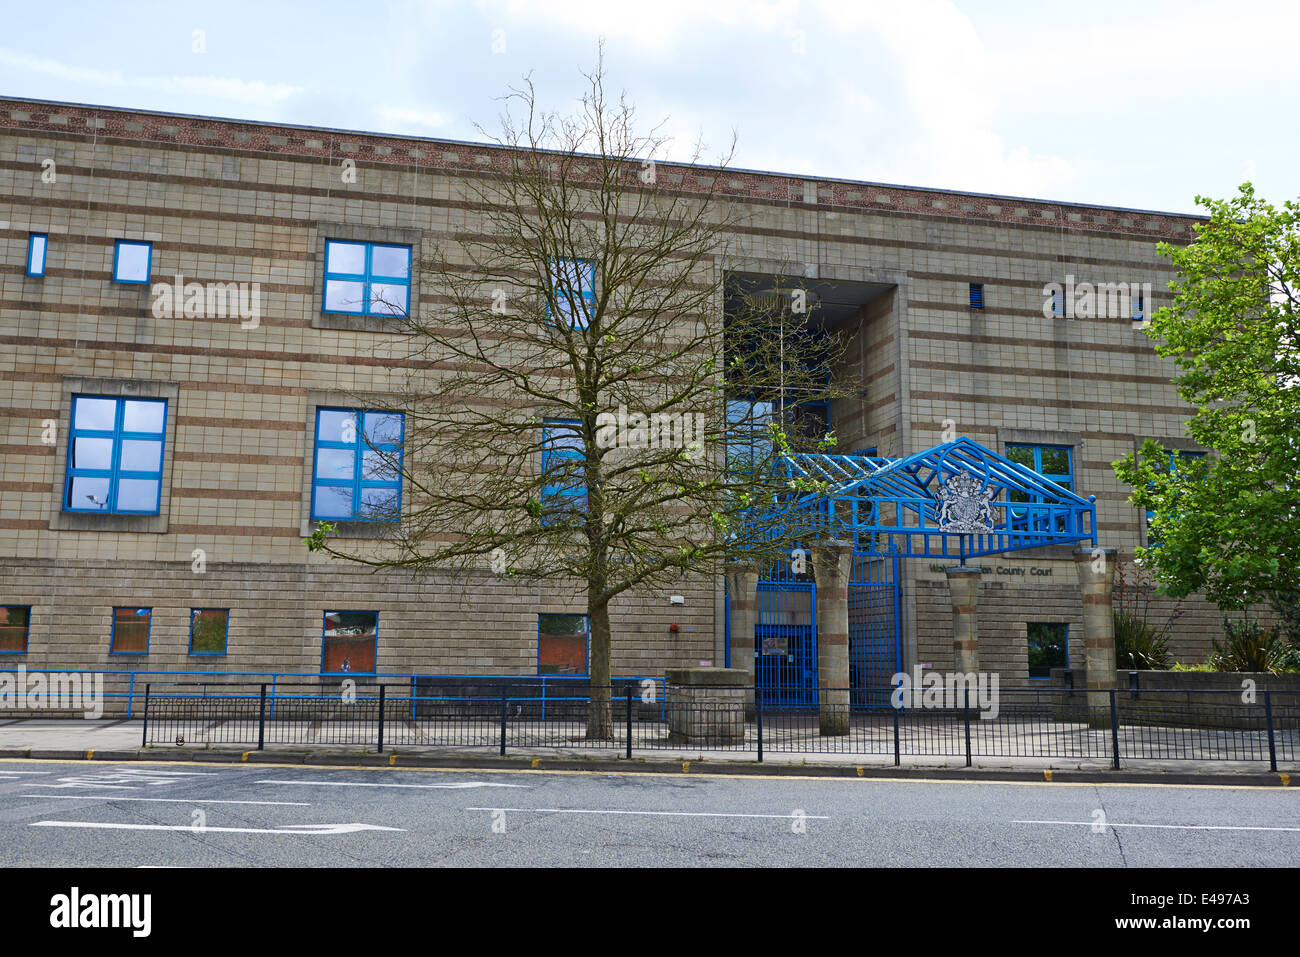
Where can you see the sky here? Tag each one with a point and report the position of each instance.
(1144, 104)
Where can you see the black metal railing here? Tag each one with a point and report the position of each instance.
(634, 715)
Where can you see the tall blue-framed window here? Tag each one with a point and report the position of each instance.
(208, 630)
(115, 455)
(349, 642)
(977, 295)
(1058, 303)
(357, 466)
(563, 645)
(130, 631)
(366, 279)
(1053, 462)
(15, 624)
(1139, 308)
(1174, 458)
(572, 296)
(132, 262)
(563, 454)
(38, 245)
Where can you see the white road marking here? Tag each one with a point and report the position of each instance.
(127, 779)
(459, 785)
(1175, 827)
(26, 772)
(573, 810)
(114, 797)
(300, 829)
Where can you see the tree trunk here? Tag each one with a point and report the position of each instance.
(600, 725)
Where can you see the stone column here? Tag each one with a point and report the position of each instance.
(742, 592)
(964, 589)
(832, 565)
(1096, 568)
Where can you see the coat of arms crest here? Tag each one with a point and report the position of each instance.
(965, 504)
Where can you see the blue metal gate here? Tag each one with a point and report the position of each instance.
(875, 640)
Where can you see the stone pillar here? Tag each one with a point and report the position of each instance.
(742, 592)
(1096, 568)
(964, 589)
(832, 565)
(706, 706)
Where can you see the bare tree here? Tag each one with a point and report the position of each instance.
(578, 410)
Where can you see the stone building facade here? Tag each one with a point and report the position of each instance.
(943, 293)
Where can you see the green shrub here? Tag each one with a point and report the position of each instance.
(1138, 644)
(1247, 646)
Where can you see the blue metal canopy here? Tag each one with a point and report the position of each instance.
(956, 500)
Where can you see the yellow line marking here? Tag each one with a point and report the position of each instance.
(706, 774)
(1047, 774)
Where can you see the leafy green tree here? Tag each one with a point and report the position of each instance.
(1229, 524)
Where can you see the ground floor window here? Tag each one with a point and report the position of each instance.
(15, 621)
(1047, 647)
(130, 631)
(562, 644)
(208, 627)
(349, 640)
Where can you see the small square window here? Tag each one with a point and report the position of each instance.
(130, 631)
(562, 644)
(977, 295)
(15, 623)
(348, 642)
(1048, 647)
(132, 262)
(37, 245)
(208, 628)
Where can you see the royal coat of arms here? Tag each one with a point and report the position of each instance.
(965, 504)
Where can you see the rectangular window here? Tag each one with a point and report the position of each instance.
(115, 455)
(15, 622)
(562, 644)
(1053, 462)
(132, 262)
(37, 244)
(563, 487)
(977, 295)
(357, 471)
(367, 279)
(130, 631)
(208, 628)
(1048, 647)
(1139, 308)
(572, 296)
(348, 642)
(1058, 303)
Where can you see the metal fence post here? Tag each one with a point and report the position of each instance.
(629, 722)
(381, 717)
(897, 753)
(130, 694)
(1268, 717)
(966, 718)
(144, 738)
(1114, 732)
(503, 720)
(758, 718)
(261, 719)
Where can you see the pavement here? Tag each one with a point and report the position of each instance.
(209, 814)
(120, 740)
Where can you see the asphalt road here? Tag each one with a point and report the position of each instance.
(134, 814)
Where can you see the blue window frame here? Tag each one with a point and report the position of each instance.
(349, 642)
(38, 244)
(572, 297)
(357, 466)
(15, 624)
(115, 455)
(208, 630)
(1053, 462)
(563, 452)
(132, 262)
(1139, 308)
(1058, 303)
(563, 645)
(1174, 458)
(977, 295)
(131, 627)
(366, 279)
